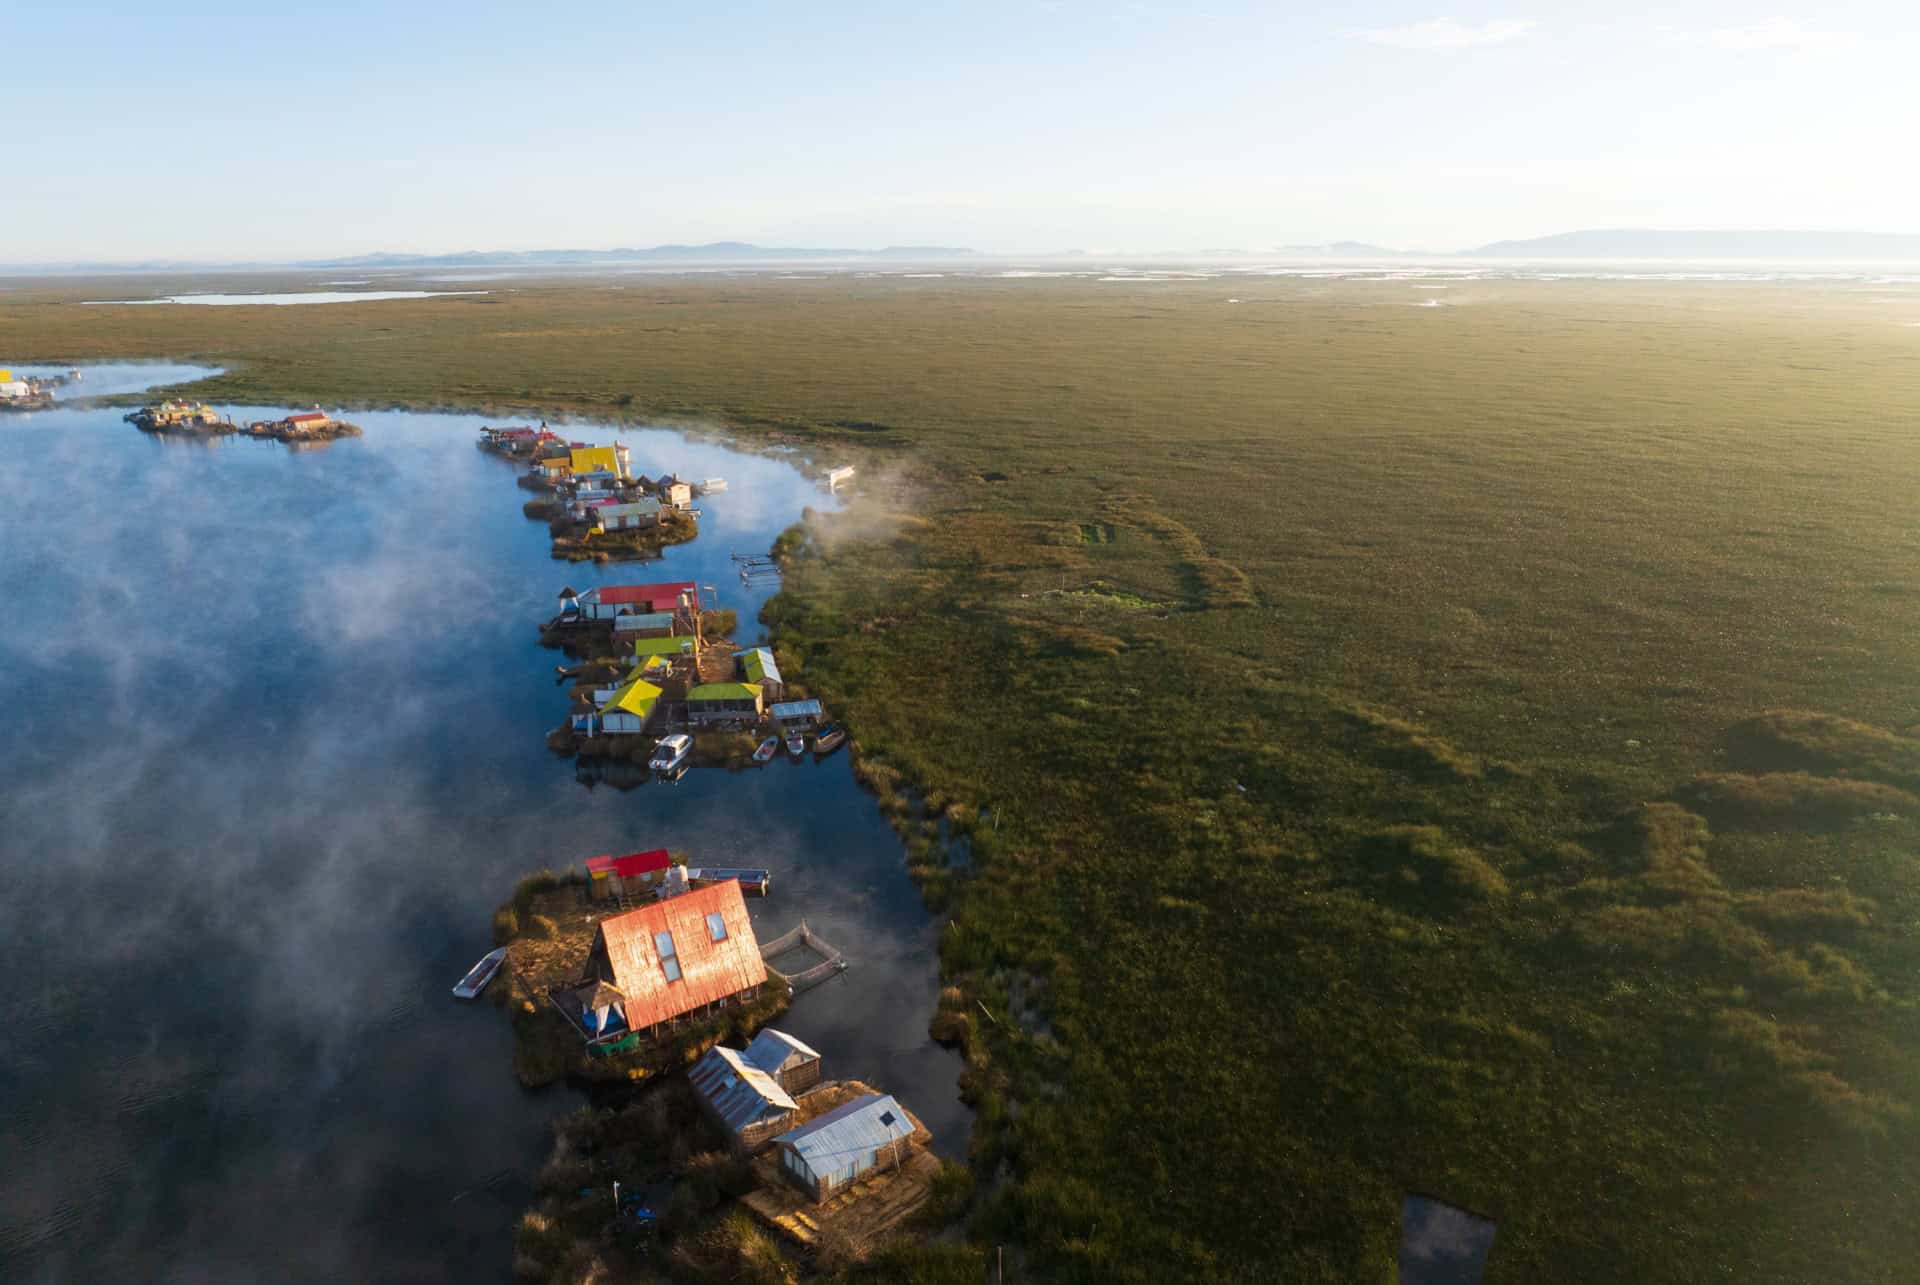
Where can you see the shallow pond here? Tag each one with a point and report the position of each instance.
(283, 297)
(274, 750)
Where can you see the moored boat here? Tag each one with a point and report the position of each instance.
(480, 974)
(671, 753)
(768, 748)
(831, 738)
(796, 745)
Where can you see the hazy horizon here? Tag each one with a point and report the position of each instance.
(229, 134)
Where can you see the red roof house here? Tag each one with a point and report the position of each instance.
(307, 417)
(636, 873)
(605, 601)
(687, 956)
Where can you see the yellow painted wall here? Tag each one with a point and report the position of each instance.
(591, 459)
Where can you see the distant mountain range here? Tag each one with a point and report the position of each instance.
(1646, 243)
(1600, 243)
(712, 252)
(1345, 250)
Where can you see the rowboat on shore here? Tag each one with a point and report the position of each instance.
(480, 974)
(768, 748)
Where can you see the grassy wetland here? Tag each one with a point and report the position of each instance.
(1471, 750)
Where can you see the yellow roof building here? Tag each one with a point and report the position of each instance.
(593, 459)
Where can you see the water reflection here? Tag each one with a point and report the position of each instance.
(274, 743)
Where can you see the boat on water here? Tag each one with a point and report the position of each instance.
(796, 745)
(480, 974)
(831, 738)
(768, 748)
(671, 753)
(713, 486)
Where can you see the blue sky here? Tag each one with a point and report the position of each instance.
(1009, 125)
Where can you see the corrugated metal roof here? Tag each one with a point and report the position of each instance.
(635, 696)
(724, 692)
(796, 709)
(842, 1142)
(709, 970)
(771, 1050)
(739, 1092)
(643, 620)
(759, 666)
(667, 592)
(639, 863)
(659, 646)
(586, 459)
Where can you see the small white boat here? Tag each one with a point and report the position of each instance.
(713, 486)
(768, 748)
(480, 974)
(671, 753)
(796, 745)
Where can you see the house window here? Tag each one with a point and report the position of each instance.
(663, 942)
(717, 926)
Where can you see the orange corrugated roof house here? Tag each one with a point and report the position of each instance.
(649, 968)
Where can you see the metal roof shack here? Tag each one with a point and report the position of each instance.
(758, 665)
(797, 712)
(794, 1066)
(691, 955)
(748, 1102)
(829, 1152)
(636, 874)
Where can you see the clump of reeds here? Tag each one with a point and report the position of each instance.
(1773, 799)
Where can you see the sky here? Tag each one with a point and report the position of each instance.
(217, 130)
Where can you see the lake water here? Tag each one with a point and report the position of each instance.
(284, 297)
(273, 736)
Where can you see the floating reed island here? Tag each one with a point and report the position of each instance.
(595, 507)
(303, 426)
(195, 419)
(31, 392)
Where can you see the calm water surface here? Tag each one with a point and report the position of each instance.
(282, 298)
(273, 737)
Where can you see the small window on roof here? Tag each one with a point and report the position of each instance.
(671, 967)
(886, 1118)
(663, 942)
(717, 926)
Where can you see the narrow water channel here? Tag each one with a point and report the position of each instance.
(272, 730)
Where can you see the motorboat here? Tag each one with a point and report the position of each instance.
(796, 745)
(713, 486)
(480, 974)
(768, 748)
(671, 753)
(831, 738)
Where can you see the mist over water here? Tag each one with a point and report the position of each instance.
(273, 729)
